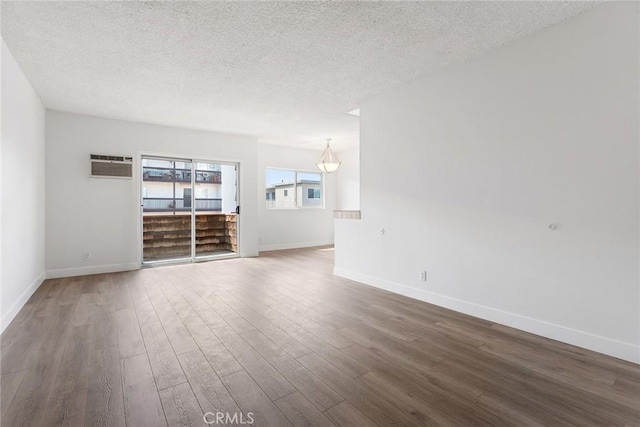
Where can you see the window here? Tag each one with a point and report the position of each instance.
(292, 189)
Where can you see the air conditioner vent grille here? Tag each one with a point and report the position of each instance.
(111, 166)
(112, 158)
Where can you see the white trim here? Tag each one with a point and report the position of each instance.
(192, 203)
(138, 176)
(8, 317)
(282, 246)
(600, 344)
(96, 269)
(208, 258)
(249, 254)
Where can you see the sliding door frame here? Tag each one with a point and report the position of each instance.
(192, 258)
(195, 257)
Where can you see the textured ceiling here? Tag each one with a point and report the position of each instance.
(287, 72)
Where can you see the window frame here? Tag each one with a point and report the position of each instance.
(295, 206)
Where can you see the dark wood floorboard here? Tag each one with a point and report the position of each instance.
(180, 406)
(281, 340)
(345, 415)
(301, 412)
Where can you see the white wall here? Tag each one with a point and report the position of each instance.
(101, 216)
(466, 169)
(348, 180)
(293, 228)
(23, 196)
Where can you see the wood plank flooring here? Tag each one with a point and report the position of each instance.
(279, 340)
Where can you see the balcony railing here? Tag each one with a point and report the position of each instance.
(169, 204)
(157, 174)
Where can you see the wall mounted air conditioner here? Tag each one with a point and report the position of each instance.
(111, 166)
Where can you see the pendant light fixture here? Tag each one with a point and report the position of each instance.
(328, 161)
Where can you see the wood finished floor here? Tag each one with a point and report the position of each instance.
(279, 336)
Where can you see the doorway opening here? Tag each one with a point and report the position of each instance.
(189, 210)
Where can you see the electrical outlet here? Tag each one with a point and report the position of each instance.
(423, 275)
(86, 256)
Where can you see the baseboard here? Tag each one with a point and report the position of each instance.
(249, 254)
(96, 269)
(282, 246)
(8, 317)
(619, 349)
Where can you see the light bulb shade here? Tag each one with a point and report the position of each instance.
(328, 167)
(328, 161)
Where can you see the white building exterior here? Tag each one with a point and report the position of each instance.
(304, 194)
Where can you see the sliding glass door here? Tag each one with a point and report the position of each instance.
(216, 209)
(189, 209)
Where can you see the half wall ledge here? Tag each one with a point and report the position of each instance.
(339, 214)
